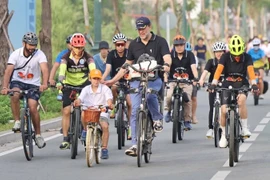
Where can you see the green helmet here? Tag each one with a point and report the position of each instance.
(236, 45)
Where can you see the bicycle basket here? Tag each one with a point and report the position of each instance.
(92, 115)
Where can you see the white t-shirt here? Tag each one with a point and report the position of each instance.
(31, 73)
(102, 95)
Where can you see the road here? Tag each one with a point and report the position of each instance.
(193, 158)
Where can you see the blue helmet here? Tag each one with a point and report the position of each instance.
(188, 46)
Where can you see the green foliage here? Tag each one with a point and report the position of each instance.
(203, 18)
(5, 111)
(191, 5)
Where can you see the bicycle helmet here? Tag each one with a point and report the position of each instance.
(119, 37)
(219, 46)
(256, 42)
(68, 39)
(179, 39)
(30, 38)
(78, 40)
(188, 46)
(236, 45)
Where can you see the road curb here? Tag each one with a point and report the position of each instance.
(10, 136)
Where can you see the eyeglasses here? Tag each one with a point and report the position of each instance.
(179, 44)
(120, 44)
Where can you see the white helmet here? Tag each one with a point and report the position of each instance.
(256, 41)
(219, 46)
(119, 37)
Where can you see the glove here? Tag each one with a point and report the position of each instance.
(212, 87)
(254, 88)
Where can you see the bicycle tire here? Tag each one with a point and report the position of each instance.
(98, 146)
(149, 139)
(237, 140)
(231, 139)
(120, 126)
(181, 126)
(216, 125)
(175, 119)
(256, 99)
(26, 136)
(140, 139)
(75, 134)
(89, 146)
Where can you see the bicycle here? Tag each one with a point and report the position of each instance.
(258, 80)
(27, 133)
(233, 126)
(177, 108)
(94, 134)
(145, 132)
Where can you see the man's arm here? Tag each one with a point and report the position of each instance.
(45, 73)
(120, 73)
(62, 71)
(52, 73)
(167, 60)
(194, 71)
(7, 75)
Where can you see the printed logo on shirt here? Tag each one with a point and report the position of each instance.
(82, 61)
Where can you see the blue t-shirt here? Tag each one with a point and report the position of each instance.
(256, 55)
(101, 65)
(201, 51)
(60, 55)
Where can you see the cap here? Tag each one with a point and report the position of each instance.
(142, 22)
(95, 73)
(103, 45)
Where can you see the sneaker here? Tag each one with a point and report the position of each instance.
(210, 134)
(246, 132)
(187, 125)
(168, 117)
(132, 151)
(112, 115)
(83, 136)
(261, 97)
(158, 127)
(40, 141)
(223, 143)
(104, 154)
(194, 120)
(17, 126)
(64, 145)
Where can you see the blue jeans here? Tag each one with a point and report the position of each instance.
(152, 104)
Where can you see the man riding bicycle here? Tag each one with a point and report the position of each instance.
(235, 65)
(186, 59)
(74, 69)
(23, 72)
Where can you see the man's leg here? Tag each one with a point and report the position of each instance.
(243, 114)
(188, 107)
(194, 104)
(105, 137)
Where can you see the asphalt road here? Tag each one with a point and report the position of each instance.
(193, 158)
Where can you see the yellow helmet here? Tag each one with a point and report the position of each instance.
(236, 45)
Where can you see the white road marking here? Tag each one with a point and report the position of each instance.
(244, 147)
(268, 114)
(227, 162)
(20, 148)
(220, 175)
(265, 120)
(253, 137)
(259, 128)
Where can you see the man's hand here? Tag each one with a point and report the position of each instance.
(212, 87)
(166, 68)
(59, 86)
(77, 102)
(109, 82)
(52, 82)
(4, 91)
(201, 82)
(254, 88)
(43, 87)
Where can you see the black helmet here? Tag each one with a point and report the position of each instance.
(68, 39)
(30, 38)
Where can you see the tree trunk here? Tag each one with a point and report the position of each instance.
(46, 31)
(4, 48)
(238, 17)
(157, 16)
(226, 18)
(178, 14)
(116, 16)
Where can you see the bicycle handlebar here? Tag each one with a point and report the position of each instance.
(158, 67)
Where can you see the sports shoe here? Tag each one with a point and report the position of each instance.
(223, 143)
(187, 125)
(158, 127)
(261, 97)
(40, 141)
(132, 151)
(17, 126)
(168, 117)
(83, 136)
(104, 154)
(64, 145)
(210, 134)
(246, 132)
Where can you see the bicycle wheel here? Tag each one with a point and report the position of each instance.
(237, 140)
(89, 147)
(75, 134)
(26, 133)
(175, 119)
(98, 145)
(216, 125)
(256, 99)
(231, 139)
(120, 132)
(140, 138)
(181, 126)
(148, 140)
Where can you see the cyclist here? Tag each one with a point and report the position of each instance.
(74, 69)
(94, 95)
(185, 59)
(219, 48)
(157, 47)
(200, 52)
(259, 61)
(235, 65)
(116, 58)
(101, 58)
(30, 63)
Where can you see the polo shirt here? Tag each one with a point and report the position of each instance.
(201, 51)
(31, 73)
(116, 61)
(100, 97)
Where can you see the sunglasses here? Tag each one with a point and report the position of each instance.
(120, 44)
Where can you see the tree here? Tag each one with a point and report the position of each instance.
(45, 33)
(4, 48)
(116, 16)
(157, 16)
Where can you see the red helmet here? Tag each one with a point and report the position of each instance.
(78, 40)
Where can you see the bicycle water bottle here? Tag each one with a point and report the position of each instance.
(60, 95)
